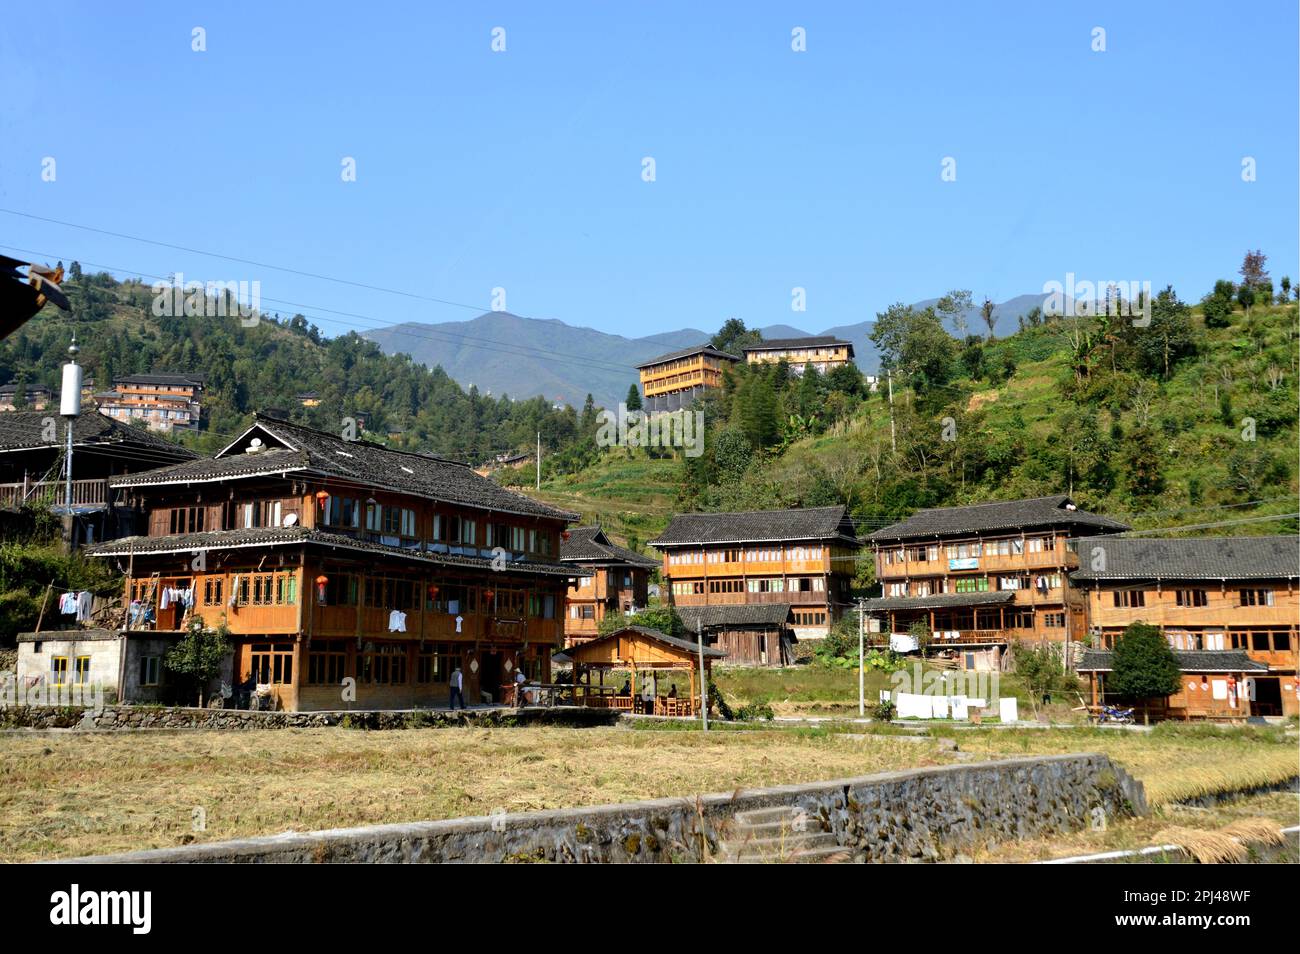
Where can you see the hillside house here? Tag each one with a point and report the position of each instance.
(822, 353)
(163, 402)
(618, 581)
(1206, 595)
(767, 578)
(975, 578)
(350, 575)
(673, 381)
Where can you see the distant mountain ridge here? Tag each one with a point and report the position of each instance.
(526, 357)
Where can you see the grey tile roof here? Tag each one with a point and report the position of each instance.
(941, 601)
(689, 645)
(1194, 558)
(26, 430)
(295, 448)
(739, 615)
(295, 536)
(590, 545)
(1201, 660)
(707, 349)
(1035, 512)
(758, 526)
(784, 344)
(182, 379)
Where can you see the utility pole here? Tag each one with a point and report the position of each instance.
(539, 460)
(893, 435)
(704, 679)
(862, 657)
(69, 409)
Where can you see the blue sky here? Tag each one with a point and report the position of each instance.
(774, 169)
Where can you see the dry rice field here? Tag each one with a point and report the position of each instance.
(64, 794)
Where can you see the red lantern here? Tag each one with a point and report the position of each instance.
(320, 587)
(565, 535)
(322, 496)
(487, 594)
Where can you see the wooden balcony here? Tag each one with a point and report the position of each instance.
(52, 493)
(963, 637)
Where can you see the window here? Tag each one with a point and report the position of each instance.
(390, 594)
(58, 670)
(188, 519)
(149, 668)
(327, 662)
(586, 611)
(382, 665)
(397, 521)
(541, 606)
(1256, 597)
(1192, 598)
(726, 586)
(271, 664)
(1035, 544)
(1129, 598)
(341, 590)
(972, 584)
(518, 538)
(267, 589)
(1021, 619)
(809, 617)
(213, 586)
(81, 670)
(1054, 620)
(343, 512)
(434, 662)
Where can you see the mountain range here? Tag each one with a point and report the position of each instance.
(502, 353)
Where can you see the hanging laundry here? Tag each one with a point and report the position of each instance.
(166, 600)
(68, 604)
(397, 622)
(84, 603)
(234, 591)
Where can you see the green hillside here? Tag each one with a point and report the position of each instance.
(1183, 423)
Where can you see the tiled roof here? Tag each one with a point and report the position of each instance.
(1036, 512)
(1194, 558)
(785, 344)
(940, 600)
(293, 447)
(293, 536)
(687, 644)
(26, 430)
(706, 349)
(1199, 660)
(182, 379)
(590, 545)
(758, 526)
(738, 615)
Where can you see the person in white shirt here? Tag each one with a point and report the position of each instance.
(457, 687)
(520, 679)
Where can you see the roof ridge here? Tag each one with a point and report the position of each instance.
(260, 417)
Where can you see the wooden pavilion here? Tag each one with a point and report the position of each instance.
(639, 651)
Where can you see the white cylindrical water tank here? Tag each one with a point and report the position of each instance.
(70, 399)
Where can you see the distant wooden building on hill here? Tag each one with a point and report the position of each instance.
(673, 381)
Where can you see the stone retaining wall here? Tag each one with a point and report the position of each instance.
(180, 717)
(928, 814)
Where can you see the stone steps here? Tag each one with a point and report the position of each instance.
(779, 835)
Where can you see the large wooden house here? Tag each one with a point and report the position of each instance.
(672, 381)
(1230, 596)
(618, 582)
(760, 580)
(973, 579)
(348, 574)
(823, 354)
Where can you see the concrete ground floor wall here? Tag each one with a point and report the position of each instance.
(927, 814)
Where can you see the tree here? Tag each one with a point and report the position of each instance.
(987, 313)
(199, 653)
(733, 337)
(1040, 670)
(758, 412)
(915, 343)
(633, 399)
(953, 309)
(1142, 464)
(660, 616)
(1285, 296)
(1253, 272)
(1168, 339)
(1142, 664)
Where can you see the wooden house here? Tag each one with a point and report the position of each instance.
(348, 574)
(672, 381)
(618, 582)
(163, 402)
(1216, 684)
(975, 578)
(32, 446)
(1205, 594)
(823, 353)
(796, 565)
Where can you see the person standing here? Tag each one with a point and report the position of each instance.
(520, 679)
(457, 687)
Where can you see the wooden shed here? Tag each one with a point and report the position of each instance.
(645, 654)
(1216, 684)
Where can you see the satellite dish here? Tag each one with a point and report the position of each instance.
(290, 519)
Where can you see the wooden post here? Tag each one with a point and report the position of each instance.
(44, 599)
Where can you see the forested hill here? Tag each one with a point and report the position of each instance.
(268, 366)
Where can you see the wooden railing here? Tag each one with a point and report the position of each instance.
(52, 493)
